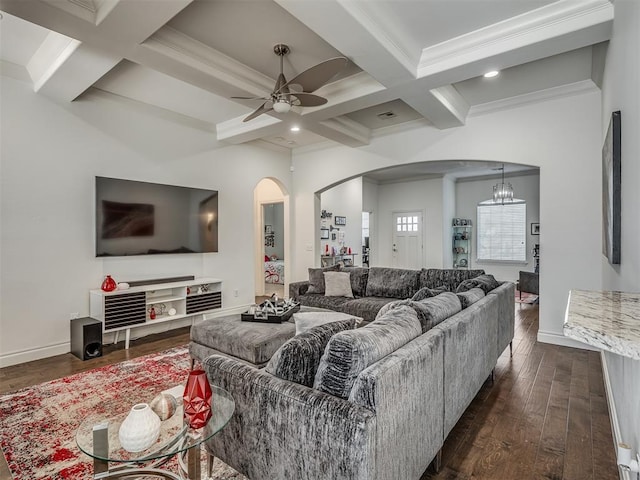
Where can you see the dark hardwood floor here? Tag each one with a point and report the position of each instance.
(544, 417)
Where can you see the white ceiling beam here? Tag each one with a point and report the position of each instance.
(100, 36)
(349, 28)
(444, 107)
(343, 130)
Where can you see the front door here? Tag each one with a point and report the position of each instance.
(407, 240)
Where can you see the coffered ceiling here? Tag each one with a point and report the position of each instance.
(409, 60)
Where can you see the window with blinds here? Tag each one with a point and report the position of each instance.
(502, 232)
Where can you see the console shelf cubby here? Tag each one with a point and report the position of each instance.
(131, 308)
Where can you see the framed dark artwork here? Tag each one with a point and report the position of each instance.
(535, 229)
(121, 220)
(324, 233)
(611, 196)
(340, 220)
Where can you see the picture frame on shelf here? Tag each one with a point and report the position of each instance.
(324, 234)
(535, 229)
(340, 220)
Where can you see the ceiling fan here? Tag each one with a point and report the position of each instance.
(298, 91)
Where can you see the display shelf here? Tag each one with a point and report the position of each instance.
(347, 259)
(461, 246)
(126, 309)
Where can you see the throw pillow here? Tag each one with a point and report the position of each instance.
(316, 278)
(432, 311)
(392, 282)
(425, 292)
(348, 353)
(337, 284)
(307, 320)
(298, 359)
(485, 282)
(470, 296)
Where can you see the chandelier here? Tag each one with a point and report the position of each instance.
(502, 192)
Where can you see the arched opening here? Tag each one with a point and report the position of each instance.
(271, 227)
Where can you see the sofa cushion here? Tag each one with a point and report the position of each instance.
(359, 277)
(485, 282)
(320, 301)
(432, 311)
(337, 284)
(316, 278)
(366, 307)
(426, 292)
(392, 282)
(298, 359)
(449, 277)
(307, 320)
(470, 296)
(349, 352)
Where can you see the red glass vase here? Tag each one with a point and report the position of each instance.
(197, 399)
(109, 284)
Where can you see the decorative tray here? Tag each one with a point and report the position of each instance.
(271, 311)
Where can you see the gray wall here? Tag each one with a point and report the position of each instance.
(273, 214)
(620, 92)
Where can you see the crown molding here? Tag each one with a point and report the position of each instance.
(15, 71)
(82, 9)
(186, 50)
(349, 128)
(149, 109)
(54, 51)
(551, 21)
(577, 88)
(373, 21)
(451, 99)
(233, 130)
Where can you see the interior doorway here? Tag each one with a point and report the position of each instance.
(407, 240)
(271, 238)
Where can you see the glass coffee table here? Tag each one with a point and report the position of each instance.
(97, 436)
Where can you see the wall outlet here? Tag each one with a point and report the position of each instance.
(74, 315)
(235, 293)
(309, 247)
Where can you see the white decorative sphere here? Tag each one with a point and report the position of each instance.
(140, 429)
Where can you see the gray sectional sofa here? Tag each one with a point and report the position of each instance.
(374, 287)
(384, 396)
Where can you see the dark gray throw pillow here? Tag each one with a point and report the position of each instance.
(432, 311)
(425, 292)
(316, 278)
(298, 359)
(485, 282)
(470, 296)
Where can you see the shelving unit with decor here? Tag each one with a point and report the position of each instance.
(135, 306)
(461, 243)
(347, 259)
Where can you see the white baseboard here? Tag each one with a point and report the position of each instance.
(613, 414)
(38, 353)
(31, 354)
(558, 339)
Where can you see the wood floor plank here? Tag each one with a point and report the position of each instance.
(544, 417)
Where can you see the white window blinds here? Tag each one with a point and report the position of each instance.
(502, 232)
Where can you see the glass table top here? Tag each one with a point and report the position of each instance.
(175, 433)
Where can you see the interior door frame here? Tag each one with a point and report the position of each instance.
(422, 237)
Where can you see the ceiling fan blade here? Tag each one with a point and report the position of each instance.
(303, 99)
(258, 111)
(316, 76)
(250, 98)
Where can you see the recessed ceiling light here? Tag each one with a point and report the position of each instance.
(491, 74)
(295, 128)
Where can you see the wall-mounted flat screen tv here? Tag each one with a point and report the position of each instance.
(140, 218)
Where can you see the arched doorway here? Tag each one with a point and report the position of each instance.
(271, 221)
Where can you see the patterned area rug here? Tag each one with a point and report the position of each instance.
(38, 424)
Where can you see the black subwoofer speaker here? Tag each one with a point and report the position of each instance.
(86, 338)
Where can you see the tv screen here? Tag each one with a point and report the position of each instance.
(140, 218)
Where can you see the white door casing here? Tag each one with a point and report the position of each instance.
(407, 240)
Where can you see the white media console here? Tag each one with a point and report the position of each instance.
(130, 308)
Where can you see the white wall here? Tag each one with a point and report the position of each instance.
(50, 155)
(274, 216)
(620, 92)
(370, 204)
(344, 200)
(448, 213)
(561, 136)
(525, 187)
(423, 196)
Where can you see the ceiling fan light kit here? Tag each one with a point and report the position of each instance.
(298, 91)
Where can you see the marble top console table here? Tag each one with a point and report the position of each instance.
(607, 320)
